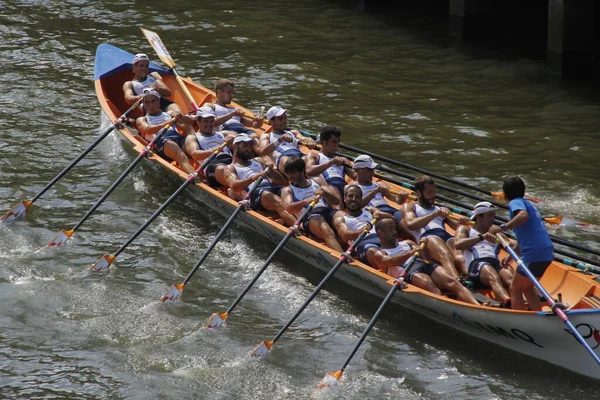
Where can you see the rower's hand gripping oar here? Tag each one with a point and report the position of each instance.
(332, 379)
(106, 260)
(63, 236)
(217, 319)
(175, 291)
(554, 306)
(263, 348)
(162, 52)
(20, 209)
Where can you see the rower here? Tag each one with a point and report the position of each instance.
(202, 144)
(327, 164)
(301, 192)
(142, 79)
(375, 194)
(169, 146)
(481, 251)
(393, 255)
(246, 169)
(231, 119)
(536, 246)
(281, 143)
(351, 220)
(425, 219)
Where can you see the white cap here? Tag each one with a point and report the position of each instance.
(150, 92)
(364, 161)
(482, 208)
(139, 57)
(205, 112)
(242, 137)
(275, 112)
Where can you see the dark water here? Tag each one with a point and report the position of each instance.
(392, 84)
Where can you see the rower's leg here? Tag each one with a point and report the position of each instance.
(522, 286)
(423, 281)
(441, 254)
(319, 227)
(403, 231)
(444, 281)
(174, 152)
(187, 128)
(272, 202)
(459, 259)
(506, 276)
(489, 277)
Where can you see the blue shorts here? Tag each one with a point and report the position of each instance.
(474, 269)
(371, 241)
(391, 210)
(439, 232)
(337, 183)
(209, 171)
(256, 199)
(537, 268)
(420, 267)
(237, 127)
(324, 212)
(170, 135)
(288, 153)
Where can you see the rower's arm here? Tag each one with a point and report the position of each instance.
(312, 166)
(161, 86)
(462, 241)
(194, 150)
(147, 130)
(236, 184)
(413, 222)
(342, 228)
(329, 193)
(384, 261)
(290, 205)
(224, 118)
(350, 172)
(130, 96)
(267, 147)
(367, 198)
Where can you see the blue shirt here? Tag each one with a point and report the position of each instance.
(534, 241)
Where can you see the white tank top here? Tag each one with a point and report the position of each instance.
(299, 193)
(139, 86)
(245, 172)
(436, 223)
(335, 171)
(283, 146)
(220, 111)
(160, 119)
(483, 249)
(355, 223)
(401, 247)
(211, 142)
(378, 199)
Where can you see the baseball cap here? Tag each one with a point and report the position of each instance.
(482, 208)
(140, 57)
(205, 112)
(364, 161)
(242, 137)
(275, 111)
(150, 92)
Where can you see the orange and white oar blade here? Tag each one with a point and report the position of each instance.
(330, 380)
(173, 293)
(159, 47)
(103, 263)
(566, 221)
(17, 212)
(533, 199)
(216, 320)
(61, 239)
(262, 349)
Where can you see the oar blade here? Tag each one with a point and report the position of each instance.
(262, 349)
(61, 238)
(330, 380)
(159, 47)
(173, 294)
(17, 212)
(103, 263)
(216, 320)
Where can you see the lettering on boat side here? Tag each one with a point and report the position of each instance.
(589, 331)
(513, 333)
(420, 306)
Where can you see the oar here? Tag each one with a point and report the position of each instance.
(217, 319)
(20, 209)
(63, 236)
(162, 52)
(556, 309)
(105, 261)
(554, 238)
(177, 288)
(263, 348)
(332, 379)
(423, 171)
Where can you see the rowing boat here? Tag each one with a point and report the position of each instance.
(541, 335)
